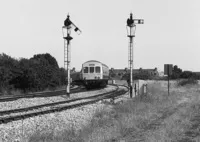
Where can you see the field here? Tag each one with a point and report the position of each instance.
(155, 117)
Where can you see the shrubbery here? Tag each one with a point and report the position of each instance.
(184, 82)
(177, 73)
(34, 74)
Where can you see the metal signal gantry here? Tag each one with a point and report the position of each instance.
(131, 28)
(66, 29)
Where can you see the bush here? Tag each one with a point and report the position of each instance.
(184, 82)
(35, 74)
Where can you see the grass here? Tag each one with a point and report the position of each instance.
(150, 118)
(190, 81)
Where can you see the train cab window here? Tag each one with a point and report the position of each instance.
(85, 70)
(98, 69)
(91, 69)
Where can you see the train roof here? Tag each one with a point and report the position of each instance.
(97, 62)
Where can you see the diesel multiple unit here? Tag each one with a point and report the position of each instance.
(94, 74)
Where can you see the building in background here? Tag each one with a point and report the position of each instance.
(121, 72)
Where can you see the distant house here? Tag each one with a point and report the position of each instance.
(151, 72)
(120, 72)
(161, 73)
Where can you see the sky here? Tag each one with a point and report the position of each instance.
(170, 33)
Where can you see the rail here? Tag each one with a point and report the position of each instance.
(41, 94)
(92, 99)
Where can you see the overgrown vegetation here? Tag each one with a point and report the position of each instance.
(189, 81)
(177, 73)
(35, 74)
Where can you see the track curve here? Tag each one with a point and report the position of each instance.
(5, 118)
(41, 94)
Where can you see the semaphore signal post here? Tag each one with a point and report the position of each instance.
(66, 29)
(131, 28)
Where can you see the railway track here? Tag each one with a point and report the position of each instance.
(13, 115)
(41, 94)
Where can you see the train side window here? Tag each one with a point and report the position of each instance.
(85, 70)
(91, 69)
(97, 69)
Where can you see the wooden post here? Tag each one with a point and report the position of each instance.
(168, 72)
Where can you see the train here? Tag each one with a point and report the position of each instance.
(93, 74)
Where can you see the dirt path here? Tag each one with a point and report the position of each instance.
(152, 126)
(179, 122)
(192, 134)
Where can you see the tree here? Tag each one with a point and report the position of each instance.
(186, 74)
(112, 73)
(46, 71)
(34, 74)
(126, 70)
(62, 76)
(73, 70)
(8, 71)
(176, 72)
